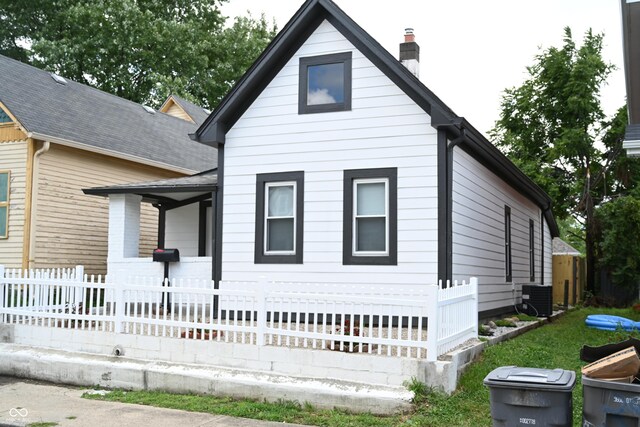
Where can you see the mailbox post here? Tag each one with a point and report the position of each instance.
(167, 256)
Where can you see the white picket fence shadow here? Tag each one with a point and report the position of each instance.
(416, 323)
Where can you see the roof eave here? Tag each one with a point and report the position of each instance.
(111, 153)
(105, 191)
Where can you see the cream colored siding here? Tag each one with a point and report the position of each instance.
(71, 227)
(176, 111)
(13, 157)
(385, 128)
(10, 133)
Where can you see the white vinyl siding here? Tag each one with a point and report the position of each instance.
(181, 230)
(384, 128)
(479, 200)
(548, 256)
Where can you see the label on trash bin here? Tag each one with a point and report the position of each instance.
(528, 421)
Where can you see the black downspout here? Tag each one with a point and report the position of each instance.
(217, 259)
(541, 247)
(450, 146)
(217, 203)
(442, 205)
(214, 248)
(213, 234)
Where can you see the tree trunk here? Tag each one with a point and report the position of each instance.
(590, 241)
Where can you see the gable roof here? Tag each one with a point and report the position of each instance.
(194, 111)
(560, 247)
(73, 114)
(310, 15)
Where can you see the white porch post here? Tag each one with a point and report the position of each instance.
(124, 226)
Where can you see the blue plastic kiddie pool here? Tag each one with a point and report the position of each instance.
(611, 323)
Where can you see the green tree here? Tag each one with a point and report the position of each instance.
(549, 127)
(619, 247)
(141, 50)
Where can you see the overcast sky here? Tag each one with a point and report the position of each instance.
(471, 50)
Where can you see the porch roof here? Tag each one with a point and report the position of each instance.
(165, 191)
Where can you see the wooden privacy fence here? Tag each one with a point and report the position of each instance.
(423, 323)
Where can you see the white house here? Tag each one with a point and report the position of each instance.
(337, 165)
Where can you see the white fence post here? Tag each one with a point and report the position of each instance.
(2, 287)
(77, 298)
(261, 297)
(473, 282)
(433, 324)
(119, 301)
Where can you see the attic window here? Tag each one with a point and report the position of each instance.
(325, 83)
(4, 117)
(58, 79)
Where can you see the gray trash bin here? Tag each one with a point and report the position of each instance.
(610, 403)
(531, 396)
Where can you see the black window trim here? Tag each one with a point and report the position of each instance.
(261, 180)
(303, 108)
(507, 244)
(348, 258)
(532, 251)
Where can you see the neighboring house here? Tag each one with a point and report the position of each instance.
(569, 273)
(631, 45)
(337, 165)
(186, 110)
(57, 137)
(560, 247)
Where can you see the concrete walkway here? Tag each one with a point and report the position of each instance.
(23, 402)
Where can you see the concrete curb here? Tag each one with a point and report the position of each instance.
(85, 369)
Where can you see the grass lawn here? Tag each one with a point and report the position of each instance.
(555, 345)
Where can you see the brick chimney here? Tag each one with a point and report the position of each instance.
(410, 52)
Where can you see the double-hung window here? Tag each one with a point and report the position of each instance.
(507, 244)
(5, 179)
(279, 217)
(325, 83)
(370, 216)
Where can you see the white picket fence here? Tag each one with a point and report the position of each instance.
(424, 323)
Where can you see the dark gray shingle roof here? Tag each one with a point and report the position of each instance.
(202, 181)
(560, 247)
(85, 115)
(166, 191)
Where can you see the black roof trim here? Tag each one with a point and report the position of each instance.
(105, 191)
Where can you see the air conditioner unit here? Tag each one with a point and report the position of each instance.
(537, 300)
